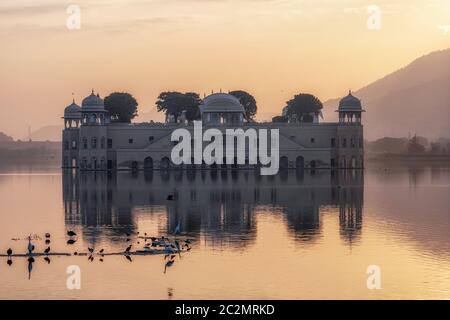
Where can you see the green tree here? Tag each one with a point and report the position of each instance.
(174, 103)
(302, 107)
(248, 102)
(121, 106)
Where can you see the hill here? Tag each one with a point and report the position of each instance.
(414, 99)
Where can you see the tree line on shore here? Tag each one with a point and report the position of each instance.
(415, 145)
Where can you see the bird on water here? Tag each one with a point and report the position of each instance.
(70, 233)
(168, 264)
(30, 246)
(9, 252)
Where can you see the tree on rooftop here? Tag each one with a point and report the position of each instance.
(248, 102)
(302, 107)
(174, 103)
(121, 106)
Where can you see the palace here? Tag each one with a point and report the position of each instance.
(92, 142)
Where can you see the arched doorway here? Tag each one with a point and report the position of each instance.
(284, 162)
(353, 163)
(300, 162)
(148, 163)
(84, 163)
(165, 163)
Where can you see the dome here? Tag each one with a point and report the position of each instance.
(72, 111)
(221, 102)
(92, 102)
(350, 103)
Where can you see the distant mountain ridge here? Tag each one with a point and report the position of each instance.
(414, 99)
(47, 133)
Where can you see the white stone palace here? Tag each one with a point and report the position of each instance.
(92, 142)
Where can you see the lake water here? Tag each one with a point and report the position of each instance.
(297, 235)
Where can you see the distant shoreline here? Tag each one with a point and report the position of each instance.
(409, 158)
(18, 153)
(49, 153)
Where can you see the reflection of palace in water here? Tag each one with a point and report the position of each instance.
(218, 204)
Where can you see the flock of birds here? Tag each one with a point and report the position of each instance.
(152, 245)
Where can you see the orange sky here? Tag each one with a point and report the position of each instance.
(271, 48)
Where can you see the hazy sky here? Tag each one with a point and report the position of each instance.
(271, 48)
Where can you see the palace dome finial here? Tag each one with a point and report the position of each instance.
(350, 102)
(93, 101)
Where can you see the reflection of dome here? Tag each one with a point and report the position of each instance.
(221, 102)
(72, 111)
(350, 103)
(92, 103)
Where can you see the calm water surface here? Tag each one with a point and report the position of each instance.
(292, 236)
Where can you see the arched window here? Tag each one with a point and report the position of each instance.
(93, 119)
(74, 144)
(84, 163)
(284, 162)
(85, 143)
(94, 142)
(148, 163)
(299, 162)
(333, 142)
(353, 163)
(165, 163)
